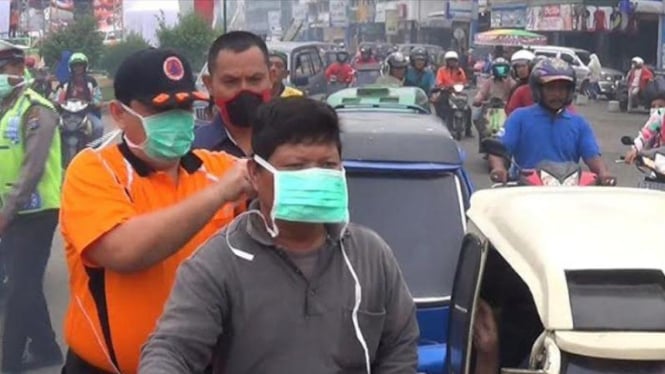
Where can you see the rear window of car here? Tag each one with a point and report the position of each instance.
(575, 364)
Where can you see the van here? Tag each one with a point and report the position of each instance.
(304, 62)
(577, 58)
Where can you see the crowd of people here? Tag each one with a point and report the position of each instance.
(184, 245)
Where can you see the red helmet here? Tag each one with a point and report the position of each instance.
(30, 62)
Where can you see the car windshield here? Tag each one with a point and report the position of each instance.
(584, 56)
(423, 226)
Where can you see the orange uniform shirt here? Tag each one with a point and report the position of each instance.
(447, 78)
(103, 189)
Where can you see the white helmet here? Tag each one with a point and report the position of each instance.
(450, 55)
(637, 61)
(522, 55)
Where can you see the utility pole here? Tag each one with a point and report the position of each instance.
(224, 14)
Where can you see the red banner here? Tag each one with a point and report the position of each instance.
(205, 9)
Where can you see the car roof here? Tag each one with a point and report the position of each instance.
(397, 137)
(546, 232)
(290, 46)
(552, 48)
(405, 95)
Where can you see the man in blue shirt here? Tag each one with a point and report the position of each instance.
(418, 74)
(240, 81)
(546, 131)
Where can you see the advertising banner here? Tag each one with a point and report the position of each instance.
(392, 22)
(338, 16)
(549, 18)
(510, 18)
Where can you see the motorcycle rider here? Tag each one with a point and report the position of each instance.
(521, 63)
(397, 64)
(446, 77)
(637, 79)
(366, 57)
(85, 88)
(341, 71)
(30, 181)
(652, 134)
(498, 86)
(547, 130)
(418, 73)
(278, 63)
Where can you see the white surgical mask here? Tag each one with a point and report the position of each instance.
(654, 111)
(5, 87)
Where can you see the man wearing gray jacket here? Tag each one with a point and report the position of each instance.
(290, 286)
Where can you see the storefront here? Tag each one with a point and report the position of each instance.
(510, 16)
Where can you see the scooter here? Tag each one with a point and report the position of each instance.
(458, 103)
(494, 115)
(651, 163)
(546, 173)
(75, 128)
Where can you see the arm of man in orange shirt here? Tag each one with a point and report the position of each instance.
(441, 77)
(138, 241)
(461, 77)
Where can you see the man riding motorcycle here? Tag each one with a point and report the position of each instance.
(446, 77)
(652, 134)
(396, 64)
(521, 63)
(418, 74)
(637, 79)
(340, 71)
(547, 131)
(83, 87)
(498, 86)
(366, 57)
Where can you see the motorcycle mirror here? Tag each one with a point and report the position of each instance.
(494, 147)
(627, 140)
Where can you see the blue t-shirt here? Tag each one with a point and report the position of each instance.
(533, 135)
(424, 79)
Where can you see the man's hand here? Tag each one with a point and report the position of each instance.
(607, 180)
(485, 331)
(499, 175)
(630, 156)
(236, 183)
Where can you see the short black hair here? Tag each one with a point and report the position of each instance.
(236, 41)
(294, 120)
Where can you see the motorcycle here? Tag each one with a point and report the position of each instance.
(458, 103)
(494, 115)
(335, 85)
(75, 128)
(546, 173)
(651, 163)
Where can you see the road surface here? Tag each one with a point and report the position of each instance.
(609, 127)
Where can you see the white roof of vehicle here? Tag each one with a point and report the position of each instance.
(544, 231)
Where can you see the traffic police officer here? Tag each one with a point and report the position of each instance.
(30, 180)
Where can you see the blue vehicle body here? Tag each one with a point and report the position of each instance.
(397, 164)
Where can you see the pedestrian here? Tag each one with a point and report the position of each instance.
(133, 211)
(30, 181)
(14, 18)
(290, 281)
(280, 71)
(240, 80)
(594, 76)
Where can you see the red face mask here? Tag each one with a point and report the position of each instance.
(239, 109)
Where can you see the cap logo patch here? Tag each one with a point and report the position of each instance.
(173, 68)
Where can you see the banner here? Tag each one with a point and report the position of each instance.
(514, 18)
(661, 41)
(108, 14)
(338, 16)
(549, 18)
(392, 22)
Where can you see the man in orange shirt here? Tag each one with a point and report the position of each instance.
(132, 212)
(447, 76)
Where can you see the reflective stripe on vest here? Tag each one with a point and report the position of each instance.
(12, 154)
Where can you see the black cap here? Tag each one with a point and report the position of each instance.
(156, 77)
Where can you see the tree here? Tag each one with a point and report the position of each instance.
(114, 55)
(191, 37)
(79, 36)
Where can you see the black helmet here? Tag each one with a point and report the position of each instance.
(500, 68)
(365, 50)
(342, 55)
(418, 53)
(397, 60)
(550, 70)
(655, 89)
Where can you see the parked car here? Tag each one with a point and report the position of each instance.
(608, 82)
(576, 57)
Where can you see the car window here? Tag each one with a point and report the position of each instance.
(570, 59)
(303, 65)
(546, 54)
(317, 64)
(584, 56)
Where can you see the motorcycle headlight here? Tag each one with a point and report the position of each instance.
(572, 180)
(458, 87)
(659, 163)
(548, 179)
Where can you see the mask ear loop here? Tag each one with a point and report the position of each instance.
(356, 305)
(274, 230)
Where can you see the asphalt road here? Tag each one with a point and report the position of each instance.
(609, 127)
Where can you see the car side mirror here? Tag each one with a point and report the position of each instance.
(494, 147)
(521, 371)
(300, 81)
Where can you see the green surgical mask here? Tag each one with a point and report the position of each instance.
(169, 135)
(5, 87)
(313, 195)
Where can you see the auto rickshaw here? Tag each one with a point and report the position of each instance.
(574, 276)
(407, 183)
